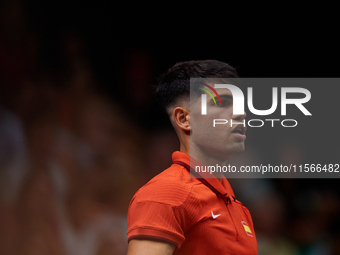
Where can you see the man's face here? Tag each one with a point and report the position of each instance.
(224, 140)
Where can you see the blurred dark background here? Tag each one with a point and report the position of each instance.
(80, 131)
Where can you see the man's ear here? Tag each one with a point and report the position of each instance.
(182, 118)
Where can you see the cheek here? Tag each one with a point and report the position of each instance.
(202, 123)
(205, 130)
(205, 134)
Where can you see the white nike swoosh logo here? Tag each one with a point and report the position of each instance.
(215, 216)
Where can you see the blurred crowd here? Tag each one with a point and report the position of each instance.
(72, 156)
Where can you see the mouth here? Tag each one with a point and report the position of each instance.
(240, 131)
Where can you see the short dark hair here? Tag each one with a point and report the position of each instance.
(175, 82)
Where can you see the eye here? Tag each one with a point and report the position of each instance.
(226, 101)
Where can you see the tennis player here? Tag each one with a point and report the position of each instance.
(180, 211)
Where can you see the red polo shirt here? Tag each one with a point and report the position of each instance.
(198, 216)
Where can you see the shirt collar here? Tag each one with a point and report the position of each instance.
(220, 188)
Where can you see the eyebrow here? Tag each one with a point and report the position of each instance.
(225, 97)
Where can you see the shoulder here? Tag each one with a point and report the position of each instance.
(173, 186)
(166, 206)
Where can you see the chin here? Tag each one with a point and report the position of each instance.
(235, 152)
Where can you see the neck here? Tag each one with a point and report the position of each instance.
(184, 148)
(203, 159)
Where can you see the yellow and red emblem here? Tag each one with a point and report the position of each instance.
(247, 228)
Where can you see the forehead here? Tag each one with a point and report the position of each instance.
(210, 83)
(222, 91)
(199, 85)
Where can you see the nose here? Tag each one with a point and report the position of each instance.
(239, 117)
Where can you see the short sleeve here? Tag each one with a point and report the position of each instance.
(155, 220)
